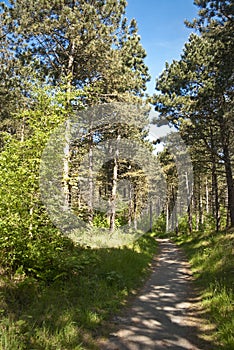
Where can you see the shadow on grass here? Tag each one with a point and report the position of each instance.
(70, 312)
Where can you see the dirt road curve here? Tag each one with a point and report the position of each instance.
(165, 314)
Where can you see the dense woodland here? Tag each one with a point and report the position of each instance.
(65, 61)
(196, 96)
(59, 59)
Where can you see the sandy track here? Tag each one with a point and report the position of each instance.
(166, 313)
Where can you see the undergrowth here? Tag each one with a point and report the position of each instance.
(71, 310)
(212, 261)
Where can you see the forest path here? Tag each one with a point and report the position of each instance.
(165, 314)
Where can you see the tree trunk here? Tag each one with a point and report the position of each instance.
(114, 188)
(190, 225)
(66, 159)
(207, 197)
(130, 204)
(135, 210)
(215, 195)
(200, 206)
(31, 211)
(167, 216)
(151, 216)
(225, 138)
(230, 184)
(176, 219)
(90, 171)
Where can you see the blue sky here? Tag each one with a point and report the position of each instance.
(162, 30)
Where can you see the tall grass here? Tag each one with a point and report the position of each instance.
(72, 311)
(212, 261)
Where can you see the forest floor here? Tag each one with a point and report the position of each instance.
(167, 312)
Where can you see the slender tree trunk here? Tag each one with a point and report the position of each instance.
(207, 197)
(215, 195)
(175, 212)
(114, 188)
(230, 184)
(225, 137)
(151, 216)
(167, 216)
(31, 211)
(201, 218)
(66, 159)
(90, 201)
(135, 210)
(190, 224)
(176, 218)
(196, 204)
(130, 204)
(200, 206)
(227, 211)
(173, 220)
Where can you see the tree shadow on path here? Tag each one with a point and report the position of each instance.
(165, 314)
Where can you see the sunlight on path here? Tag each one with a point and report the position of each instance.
(165, 315)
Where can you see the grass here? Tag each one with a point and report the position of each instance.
(212, 262)
(72, 311)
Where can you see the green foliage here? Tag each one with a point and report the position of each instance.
(100, 220)
(211, 258)
(60, 39)
(53, 291)
(55, 42)
(159, 225)
(72, 310)
(195, 95)
(28, 240)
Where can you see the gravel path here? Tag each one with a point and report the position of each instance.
(165, 314)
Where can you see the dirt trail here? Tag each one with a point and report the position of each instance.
(165, 314)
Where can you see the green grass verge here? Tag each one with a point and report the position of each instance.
(73, 310)
(212, 262)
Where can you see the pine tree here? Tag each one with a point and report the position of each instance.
(196, 89)
(89, 45)
(88, 41)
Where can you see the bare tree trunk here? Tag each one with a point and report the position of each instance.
(151, 216)
(215, 195)
(130, 204)
(230, 184)
(175, 211)
(135, 210)
(201, 218)
(207, 197)
(176, 218)
(190, 224)
(114, 188)
(90, 201)
(173, 207)
(226, 131)
(31, 211)
(167, 216)
(66, 159)
(200, 206)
